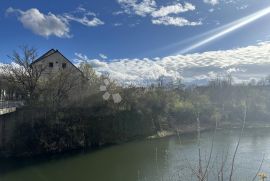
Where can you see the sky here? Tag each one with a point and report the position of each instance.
(137, 41)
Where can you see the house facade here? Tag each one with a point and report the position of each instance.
(53, 62)
(60, 80)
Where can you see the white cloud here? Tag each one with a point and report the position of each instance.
(173, 9)
(84, 17)
(84, 20)
(81, 9)
(158, 15)
(103, 56)
(176, 21)
(117, 24)
(142, 8)
(242, 63)
(242, 7)
(212, 2)
(53, 25)
(211, 10)
(42, 24)
(231, 70)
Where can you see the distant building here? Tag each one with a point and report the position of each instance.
(60, 73)
(53, 62)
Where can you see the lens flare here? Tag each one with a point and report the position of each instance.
(226, 29)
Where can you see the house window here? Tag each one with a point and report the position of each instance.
(64, 65)
(51, 65)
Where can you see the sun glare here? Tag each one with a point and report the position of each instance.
(226, 29)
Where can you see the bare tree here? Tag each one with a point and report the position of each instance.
(21, 74)
(88, 72)
(238, 142)
(201, 172)
(60, 88)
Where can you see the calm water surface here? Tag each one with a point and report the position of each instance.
(152, 160)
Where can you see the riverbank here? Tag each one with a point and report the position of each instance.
(179, 130)
(193, 129)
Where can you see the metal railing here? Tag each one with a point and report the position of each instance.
(10, 104)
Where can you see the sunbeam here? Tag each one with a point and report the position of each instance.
(221, 31)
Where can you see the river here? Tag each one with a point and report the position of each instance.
(164, 159)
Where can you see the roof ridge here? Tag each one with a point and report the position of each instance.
(44, 55)
(54, 51)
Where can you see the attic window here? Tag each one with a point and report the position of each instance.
(64, 65)
(51, 64)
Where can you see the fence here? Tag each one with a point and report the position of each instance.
(10, 104)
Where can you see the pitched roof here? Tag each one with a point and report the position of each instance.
(51, 52)
(48, 53)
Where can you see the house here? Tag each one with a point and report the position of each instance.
(50, 65)
(59, 77)
(52, 62)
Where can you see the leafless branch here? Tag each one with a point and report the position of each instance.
(238, 142)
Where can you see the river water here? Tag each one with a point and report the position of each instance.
(172, 158)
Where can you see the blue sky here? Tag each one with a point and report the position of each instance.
(110, 32)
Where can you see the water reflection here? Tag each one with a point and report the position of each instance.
(152, 160)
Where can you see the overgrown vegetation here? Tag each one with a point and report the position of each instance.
(67, 113)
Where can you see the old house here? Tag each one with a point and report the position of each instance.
(55, 71)
(54, 62)
(59, 79)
